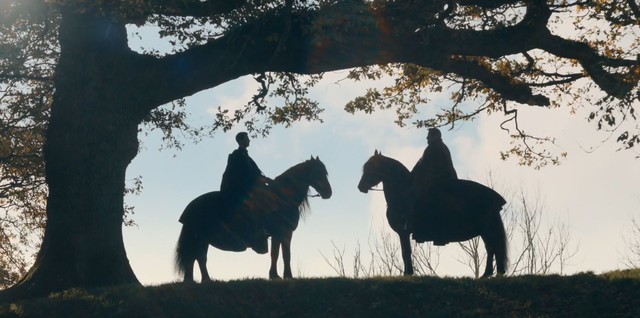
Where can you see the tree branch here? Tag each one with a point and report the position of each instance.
(616, 85)
(502, 84)
(196, 8)
(335, 37)
(493, 4)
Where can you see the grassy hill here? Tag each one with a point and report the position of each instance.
(615, 294)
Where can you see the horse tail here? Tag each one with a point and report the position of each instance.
(502, 250)
(184, 250)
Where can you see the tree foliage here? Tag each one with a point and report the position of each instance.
(572, 54)
(28, 52)
(541, 52)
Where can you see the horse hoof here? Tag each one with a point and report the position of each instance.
(205, 280)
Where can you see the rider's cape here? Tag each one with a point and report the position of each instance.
(452, 203)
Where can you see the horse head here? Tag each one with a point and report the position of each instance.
(371, 173)
(318, 177)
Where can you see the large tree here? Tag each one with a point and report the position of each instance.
(503, 52)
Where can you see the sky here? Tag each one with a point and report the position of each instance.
(593, 193)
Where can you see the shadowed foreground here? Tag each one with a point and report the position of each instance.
(584, 295)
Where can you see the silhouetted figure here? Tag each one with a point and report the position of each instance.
(472, 209)
(241, 178)
(204, 223)
(242, 173)
(433, 176)
(435, 166)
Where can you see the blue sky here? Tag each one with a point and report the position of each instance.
(594, 194)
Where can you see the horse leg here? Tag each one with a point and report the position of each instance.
(186, 263)
(188, 271)
(501, 262)
(501, 248)
(275, 253)
(488, 270)
(201, 249)
(186, 253)
(495, 241)
(201, 257)
(286, 255)
(405, 245)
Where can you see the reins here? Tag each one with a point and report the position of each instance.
(319, 195)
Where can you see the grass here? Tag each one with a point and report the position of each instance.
(614, 294)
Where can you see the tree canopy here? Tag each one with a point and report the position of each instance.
(73, 94)
(574, 54)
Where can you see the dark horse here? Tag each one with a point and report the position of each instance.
(475, 211)
(278, 207)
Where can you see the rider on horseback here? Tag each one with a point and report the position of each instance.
(434, 169)
(242, 173)
(240, 178)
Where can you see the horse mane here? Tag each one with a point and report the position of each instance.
(399, 166)
(393, 164)
(303, 208)
(291, 178)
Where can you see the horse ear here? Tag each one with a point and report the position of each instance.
(311, 157)
(318, 158)
(376, 152)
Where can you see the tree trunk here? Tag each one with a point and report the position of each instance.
(91, 139)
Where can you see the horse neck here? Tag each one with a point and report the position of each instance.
(395, 180)
(292, 185)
